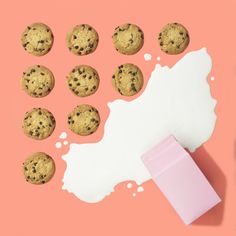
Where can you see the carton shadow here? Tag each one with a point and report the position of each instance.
(217, 179)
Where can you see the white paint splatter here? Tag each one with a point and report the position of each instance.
(140, 189)
(63, 135)
(176, 101)
(129, 185)
(147, 57)
(58, 145)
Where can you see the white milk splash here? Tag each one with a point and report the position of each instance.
(176, 101)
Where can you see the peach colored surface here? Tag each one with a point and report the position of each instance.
(47, 210)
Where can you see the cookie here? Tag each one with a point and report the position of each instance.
(38, 168)
(173, 38)
(83, 80)
(84, 120)
(82, 40)
(38, 123)
(127, 79)
(37, 81)
(128, 39)
(37, 39)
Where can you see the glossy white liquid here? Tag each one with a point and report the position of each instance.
(176, 101)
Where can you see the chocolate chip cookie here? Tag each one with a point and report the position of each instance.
(127, 79)
(84, 120)
(38, 168)
(38, 123)
(37, 39)
(83, 80)
(173, 38)
(82, 39)
(37, 81)
(128, 39)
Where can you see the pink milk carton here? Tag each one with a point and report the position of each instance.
(180, 180)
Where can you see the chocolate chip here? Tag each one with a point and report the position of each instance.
(75, 79)
(76, 47)
(74, 36)
(42, 74)
(77, 113)
(94, 87)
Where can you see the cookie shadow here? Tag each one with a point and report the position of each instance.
(217, 179)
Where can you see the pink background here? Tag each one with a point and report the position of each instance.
(47, 210)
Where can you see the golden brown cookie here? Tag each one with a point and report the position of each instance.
(127, 79)
(82, 39)
(84, 120)
(83, 80)
(37, 81)
(128, 39)
(37, 39)
(38, 123)
(38, 168)
(173, 38)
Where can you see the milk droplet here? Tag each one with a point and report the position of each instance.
(129, 185)
(212, 78)
(158, 58)
(133, 194)
(58, 145)
(65, 142)
(140, 189)
(147, 57)
(63, 135)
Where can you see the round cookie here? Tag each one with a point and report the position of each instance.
(84, 120)
(38, 168)
(127, 79)
(37, 39)
(83, 80)
(82, 39)
(173, 38)
(128, 39)
(38, 123)
(37, 81)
